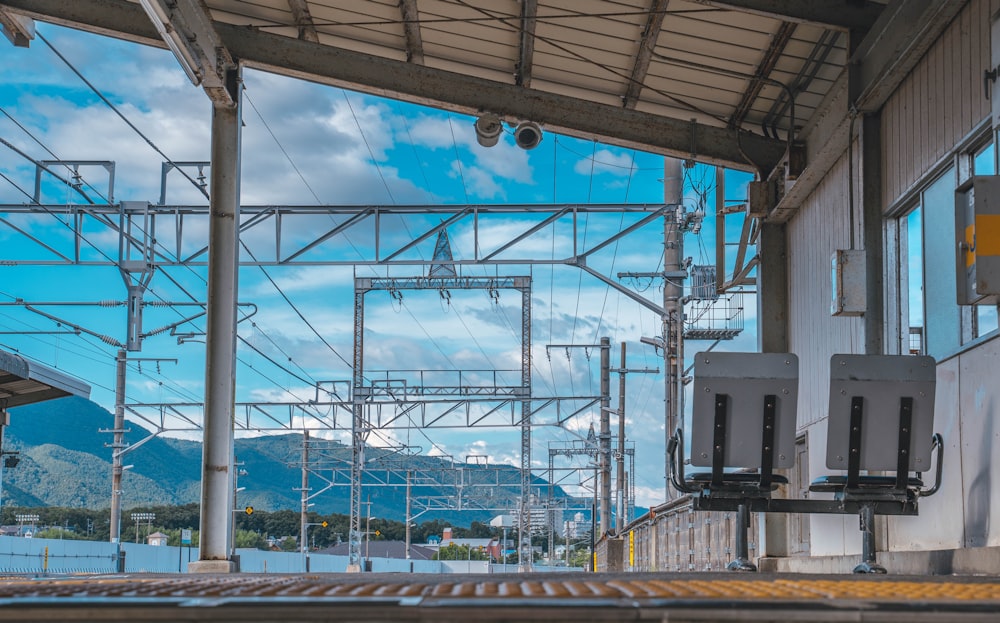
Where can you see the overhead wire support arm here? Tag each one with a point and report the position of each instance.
(648, 304)
(107, 339)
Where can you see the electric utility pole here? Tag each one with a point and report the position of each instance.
(620, 458)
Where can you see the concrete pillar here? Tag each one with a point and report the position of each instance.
(673, 292)
(118, 446)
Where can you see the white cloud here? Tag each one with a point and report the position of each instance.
(491, 168)
(323, 157)
(605, 161)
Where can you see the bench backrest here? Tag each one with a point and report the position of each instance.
(882, 382)
(746, 378)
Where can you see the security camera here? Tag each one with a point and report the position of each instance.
(528, 135)
(488, 130)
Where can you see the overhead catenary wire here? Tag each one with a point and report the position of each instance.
(185, 174)
(149, 142)
(614, 257)
(118, 112)
(458, 160)
(371, 152)
(101, 251)
(467, 191)
(54, 156)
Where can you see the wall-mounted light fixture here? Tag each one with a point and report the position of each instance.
(187, 28)
(159, 15)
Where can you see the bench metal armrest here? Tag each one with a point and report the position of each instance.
(675, 450)
(938, 444)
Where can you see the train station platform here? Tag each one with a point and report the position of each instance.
(404, 598)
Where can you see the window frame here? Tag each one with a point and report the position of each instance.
(961, 163)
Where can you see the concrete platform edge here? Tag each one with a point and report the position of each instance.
(971, 561)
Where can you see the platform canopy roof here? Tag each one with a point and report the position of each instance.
(24, 382)
(718, 81)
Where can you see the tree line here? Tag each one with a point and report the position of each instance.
(257, 529)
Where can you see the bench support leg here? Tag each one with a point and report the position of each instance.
(868, 564)
(742, 560)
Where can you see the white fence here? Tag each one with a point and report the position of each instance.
(21, 555)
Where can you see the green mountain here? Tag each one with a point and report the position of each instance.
(65, 461)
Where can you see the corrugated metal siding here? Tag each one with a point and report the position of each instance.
(937, 105)
(941, 523)
(939, 102)
(932, 111)
(821, 228)
(979, 408)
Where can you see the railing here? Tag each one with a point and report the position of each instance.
(673, 537)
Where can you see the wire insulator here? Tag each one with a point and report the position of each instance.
(110, 341)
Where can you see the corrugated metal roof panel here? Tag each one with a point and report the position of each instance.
(701, 60)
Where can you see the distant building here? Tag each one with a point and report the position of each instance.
(577, 527)
(157, 538)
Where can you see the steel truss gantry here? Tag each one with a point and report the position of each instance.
(142, 236)
(157, 236)
(174, 235)
(362, 394)
(403, 414)
(599, 455)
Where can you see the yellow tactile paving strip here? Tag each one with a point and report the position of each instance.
(640, 588)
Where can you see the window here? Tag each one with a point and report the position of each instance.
(912, 257)
(933, 323)
(985, 319)
(941, 312)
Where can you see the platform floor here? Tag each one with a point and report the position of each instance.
(403, 598)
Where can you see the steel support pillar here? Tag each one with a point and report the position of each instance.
(550, 506)
(220, 343)
(772, 288)
(358, 434)
(772, 337)
(620, 458)
(409, 497)
(4, 422)
(524, 528)
(871, 232)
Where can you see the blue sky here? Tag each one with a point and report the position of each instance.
(305, 144)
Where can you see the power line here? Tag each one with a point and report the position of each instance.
(246, 96)
(371, 152)
(184, 173)
(458, 160)
(119, 113)
(55, 157)
(614, 257)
